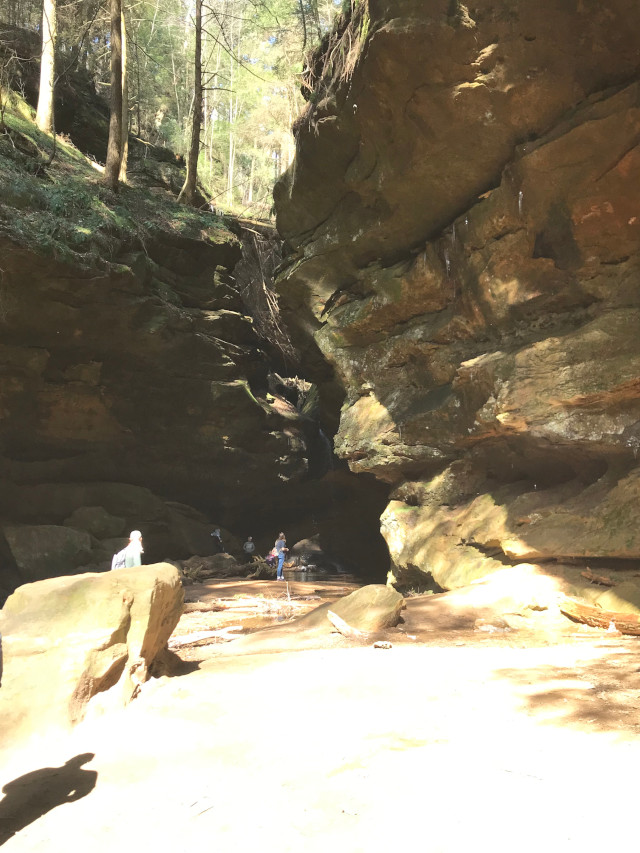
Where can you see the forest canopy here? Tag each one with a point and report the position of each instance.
(251, 55)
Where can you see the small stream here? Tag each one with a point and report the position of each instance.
(317, 575)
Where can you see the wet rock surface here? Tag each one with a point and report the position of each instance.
(468, 263)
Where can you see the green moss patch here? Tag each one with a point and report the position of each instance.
(58, 205)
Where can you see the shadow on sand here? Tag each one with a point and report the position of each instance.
(30, 796)
(602, 694)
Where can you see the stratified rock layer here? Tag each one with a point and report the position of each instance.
(463, 221)
(122, 383)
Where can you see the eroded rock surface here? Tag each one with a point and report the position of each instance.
(463, 222)
(68, 639)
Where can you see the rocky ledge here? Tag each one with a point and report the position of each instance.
(463, 229)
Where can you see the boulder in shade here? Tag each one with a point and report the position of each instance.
(42, 549)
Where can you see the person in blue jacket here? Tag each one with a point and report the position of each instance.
(281, 550)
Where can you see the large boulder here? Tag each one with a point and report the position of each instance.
(68, 639)
(40, 550)
(96, 521)
(371, 608)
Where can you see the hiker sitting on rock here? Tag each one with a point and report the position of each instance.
(131, 555)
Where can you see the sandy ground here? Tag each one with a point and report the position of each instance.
(455, 740)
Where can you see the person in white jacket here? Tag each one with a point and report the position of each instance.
(130, 556)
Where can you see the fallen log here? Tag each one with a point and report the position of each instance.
(202, 607)
(259, 606)
(626, 623)
(346, 630)
(188, 639)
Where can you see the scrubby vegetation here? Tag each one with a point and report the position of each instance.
(54, 201)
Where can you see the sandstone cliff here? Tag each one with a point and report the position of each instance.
(463, 229)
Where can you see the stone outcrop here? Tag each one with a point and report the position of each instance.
(68, 639)
(463, 228)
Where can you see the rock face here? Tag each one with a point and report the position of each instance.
(122, 385)
(67, 639)
(122, 372)
(463, 224)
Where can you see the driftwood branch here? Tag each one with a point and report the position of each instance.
(599, 579)
(626, 623)
(346, 630)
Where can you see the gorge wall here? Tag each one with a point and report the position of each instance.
(138, 396)
(139, 382)
(462, 224)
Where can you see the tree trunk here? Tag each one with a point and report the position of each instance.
(125, 103)
(231, 169)
(252, 175)
(114, 146)
(44, 114)
(138, 119)
(189, 189)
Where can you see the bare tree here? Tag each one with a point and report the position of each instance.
(114, 146)
(44, 114)
(8, 65)
(188, 191)
(125, 103)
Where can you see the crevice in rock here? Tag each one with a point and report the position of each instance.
(495, 552)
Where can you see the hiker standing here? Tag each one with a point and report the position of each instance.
(249, 547)
(130, 556)
(217, 538)
(281, 549)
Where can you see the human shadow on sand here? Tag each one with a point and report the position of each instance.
(30, 796)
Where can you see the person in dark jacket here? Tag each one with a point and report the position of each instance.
(249, 548)
(217, 538)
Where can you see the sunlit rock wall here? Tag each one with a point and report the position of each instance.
(463, 227)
